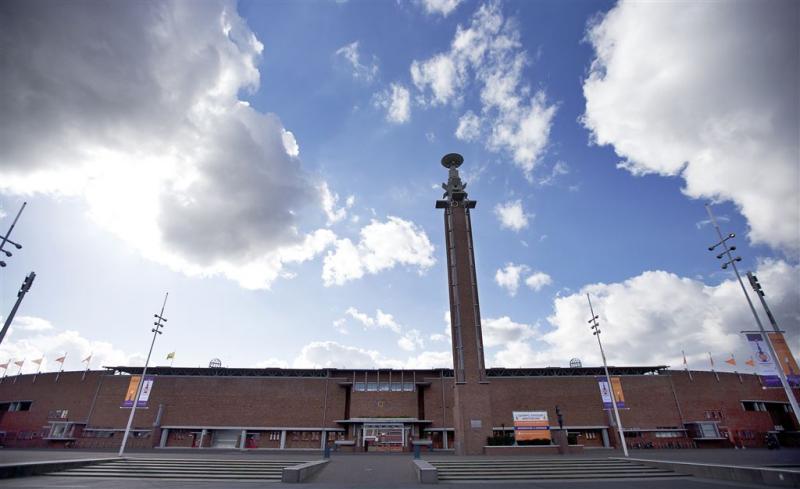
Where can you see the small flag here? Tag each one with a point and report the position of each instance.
(19, 363)
(88, 359)
(750, 362)
(61, 359)
(170, 356)
(731, 360)
(39, 361)
(5, 365)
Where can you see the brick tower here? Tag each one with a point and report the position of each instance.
(472, 407)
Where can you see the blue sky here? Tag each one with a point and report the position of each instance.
(274, 165)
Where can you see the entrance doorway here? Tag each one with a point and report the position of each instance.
(384, 437)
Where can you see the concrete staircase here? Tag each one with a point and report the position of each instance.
(544, 469)
(183, 469)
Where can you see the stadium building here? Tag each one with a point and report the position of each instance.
(468, 408)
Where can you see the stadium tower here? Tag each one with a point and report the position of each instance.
(472, 406)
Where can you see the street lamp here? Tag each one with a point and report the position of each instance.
(595, 325)
(731, 260)
(156, 331)
(5, 239)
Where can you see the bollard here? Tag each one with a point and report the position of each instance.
(416, 451)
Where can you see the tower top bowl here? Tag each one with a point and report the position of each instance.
(452, 160)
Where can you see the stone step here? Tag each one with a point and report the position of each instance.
(184, 469)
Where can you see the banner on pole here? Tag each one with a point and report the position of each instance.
(785, 358)
(605, 392)
(765, 367)
(133, 386)
(531, 425)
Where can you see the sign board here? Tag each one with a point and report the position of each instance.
(605, 392)
(133, 386)
(531, 425)
(765, 367)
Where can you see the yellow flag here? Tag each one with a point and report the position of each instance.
(170, 356)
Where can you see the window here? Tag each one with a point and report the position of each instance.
(372, 386)
(668, 434)
(408, 386)
(383, 387)
(274, 435)
(15, 406)
(633, 434)
(397, 387)
(707, 430)
(315, 435)
(360, 386)
(590, 435)
(713, 414)
(754, 406)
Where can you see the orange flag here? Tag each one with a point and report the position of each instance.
(750, 362)
(731, 360)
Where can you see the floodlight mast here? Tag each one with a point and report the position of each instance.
(595, 326)
(732, 262)
(156, 332)
(5, 239)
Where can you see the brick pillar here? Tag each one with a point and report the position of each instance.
(472, 405)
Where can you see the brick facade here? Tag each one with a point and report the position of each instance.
(304, 410)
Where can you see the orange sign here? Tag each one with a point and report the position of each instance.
(531, 425)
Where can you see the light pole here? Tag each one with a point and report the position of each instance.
(26, 286)
(5, 239)
(156, 332)
(595, 326)
(726, 253)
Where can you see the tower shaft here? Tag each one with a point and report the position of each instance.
(472, 403)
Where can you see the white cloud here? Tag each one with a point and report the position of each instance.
(511, 215)
(488, 54)
(443, 7)
(650, 318)
(381, 246)
(706, 91)
(441, 75)
(43, 341)
(503, 331)
(340, 325)
(30, 323)
(537, 280)
(411, 340)
(509, 277)
(152, 134)
(360, 71)
(469, 127)
(272, 363)
(397, 102)
(330, 354)
(559, 168)
(329, 202)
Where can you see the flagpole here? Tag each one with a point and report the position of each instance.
(64, 358)
(19, 371)
(37, 370)
(156, 332)
(686, 366)
(88, 361)
(5, 370)
(711, 359)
